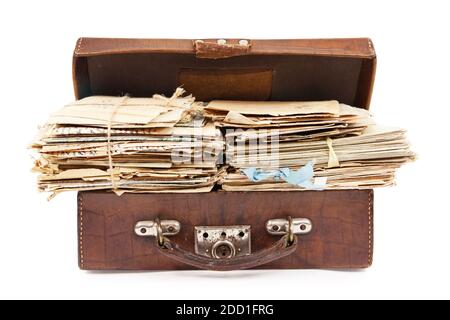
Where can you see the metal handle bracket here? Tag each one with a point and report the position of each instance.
(150, 228)
(280, 227)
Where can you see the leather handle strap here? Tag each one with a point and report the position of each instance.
(278, 250)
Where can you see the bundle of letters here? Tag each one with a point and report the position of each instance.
(306, 145)
(175, 144)
(129, 145)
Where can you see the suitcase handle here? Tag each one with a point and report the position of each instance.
(278, 250)
(288, 228)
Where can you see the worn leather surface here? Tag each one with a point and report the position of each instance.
(312, 69)
(209, 84)
(342, 234)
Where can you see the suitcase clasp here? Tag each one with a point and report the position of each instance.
(221, 48)
(223, 242)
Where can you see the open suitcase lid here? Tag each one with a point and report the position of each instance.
(302, 70)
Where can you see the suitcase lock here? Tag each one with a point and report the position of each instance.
(223, 242)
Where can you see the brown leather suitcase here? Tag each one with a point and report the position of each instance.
(226, 230)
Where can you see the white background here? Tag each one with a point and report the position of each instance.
(38, 254)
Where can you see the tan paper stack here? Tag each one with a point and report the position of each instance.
(129, 144)
(347, 148)
(174, 144)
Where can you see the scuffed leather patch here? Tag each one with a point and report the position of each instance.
(227, 84)
(214, 50)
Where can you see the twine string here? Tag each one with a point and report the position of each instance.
(333, 161)
(109, 144)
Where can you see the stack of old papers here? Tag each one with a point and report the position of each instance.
(287, 120)
(129, 144)
(175, 144)
(306, 145)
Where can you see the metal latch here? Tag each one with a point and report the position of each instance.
(157, 228)
(222, 242)
(281, 227)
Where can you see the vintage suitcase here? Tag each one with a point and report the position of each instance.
(226, 230)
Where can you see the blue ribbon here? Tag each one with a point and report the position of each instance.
(301, 177)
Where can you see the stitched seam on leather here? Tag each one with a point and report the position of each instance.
(370, 229)
(79, 45)
(81, 233)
